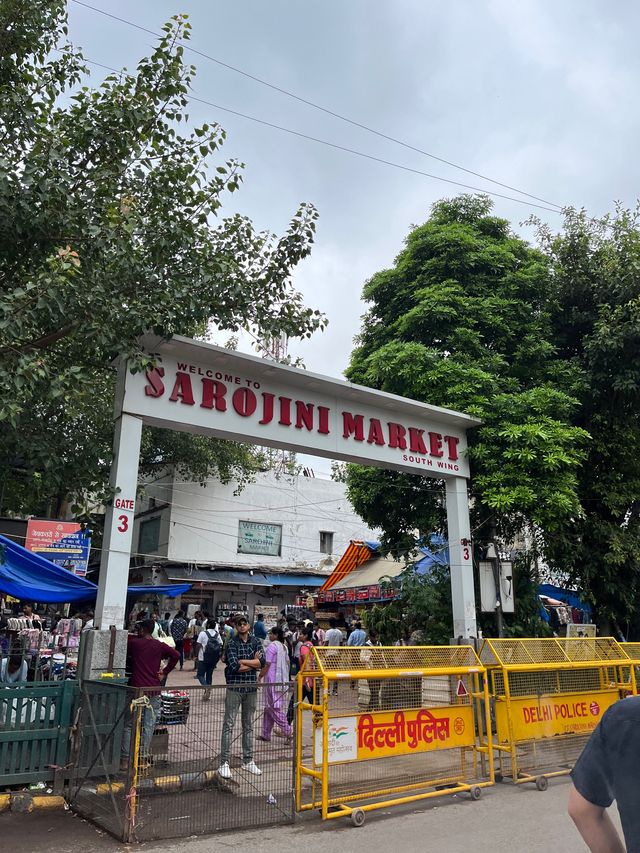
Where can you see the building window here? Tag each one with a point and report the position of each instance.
(149, 536)
(326, 542)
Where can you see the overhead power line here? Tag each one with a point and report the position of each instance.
(327, 111)
(346, 149)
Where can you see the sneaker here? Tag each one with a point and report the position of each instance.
(224, 771)
(251, 767)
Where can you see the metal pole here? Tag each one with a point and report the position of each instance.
(495, 563)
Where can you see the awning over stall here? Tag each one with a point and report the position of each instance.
(28, 576)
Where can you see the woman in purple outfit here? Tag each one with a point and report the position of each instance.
(276, 679)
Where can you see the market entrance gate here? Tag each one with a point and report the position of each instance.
(199, 388)
(196, 387)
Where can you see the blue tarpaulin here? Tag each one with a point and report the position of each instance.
(171, 590)
(435, 554)
(567, 596)
(30, 577)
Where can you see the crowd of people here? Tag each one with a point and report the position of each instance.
(251, 654)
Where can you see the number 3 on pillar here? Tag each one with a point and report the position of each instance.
(465, 551)
(124, 523)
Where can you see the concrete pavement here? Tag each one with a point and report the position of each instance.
(507, 818)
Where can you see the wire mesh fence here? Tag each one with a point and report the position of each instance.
(150, 764)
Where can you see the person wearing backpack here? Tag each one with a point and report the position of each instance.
(209, 651)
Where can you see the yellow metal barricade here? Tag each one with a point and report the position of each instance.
(383, 725)
(548, 695)
(633, 651)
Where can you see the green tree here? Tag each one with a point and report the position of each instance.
(110, 228)
(463, 320)
(596, 330)
(423, 604)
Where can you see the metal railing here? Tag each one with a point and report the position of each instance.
(548, 695)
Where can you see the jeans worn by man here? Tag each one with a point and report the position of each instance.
(245, 658)
(150, 717)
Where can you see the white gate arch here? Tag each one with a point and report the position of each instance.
(200, 388)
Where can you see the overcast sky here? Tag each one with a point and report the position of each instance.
(537, 94)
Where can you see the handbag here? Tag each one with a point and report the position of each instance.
(166, 639)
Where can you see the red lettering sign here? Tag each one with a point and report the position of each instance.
(353, 425)
(124, 503)
(213, 395)
(182, 390)
(155, 388)
(217, 395)
(425, 728)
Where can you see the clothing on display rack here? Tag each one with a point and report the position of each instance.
(67, 633)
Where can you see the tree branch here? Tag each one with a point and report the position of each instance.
(43, 342)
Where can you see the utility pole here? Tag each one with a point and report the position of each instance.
(493, 555)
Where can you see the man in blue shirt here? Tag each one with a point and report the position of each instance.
(357, 637)
(260, 629)
(244, 655)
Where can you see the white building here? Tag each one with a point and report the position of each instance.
(277, 539)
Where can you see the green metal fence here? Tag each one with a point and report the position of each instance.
(35, 724)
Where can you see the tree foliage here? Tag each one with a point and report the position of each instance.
(110, 227)
(543, 345)
(596, 329)
(462, 321)
(423, 605)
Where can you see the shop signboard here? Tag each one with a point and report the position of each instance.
(64, 543)
(271, 613)
(256, 537)
(233, 396)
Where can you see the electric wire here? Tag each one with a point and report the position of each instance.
(325, 110)
(346, 149)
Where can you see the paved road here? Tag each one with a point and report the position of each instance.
(507, 818)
